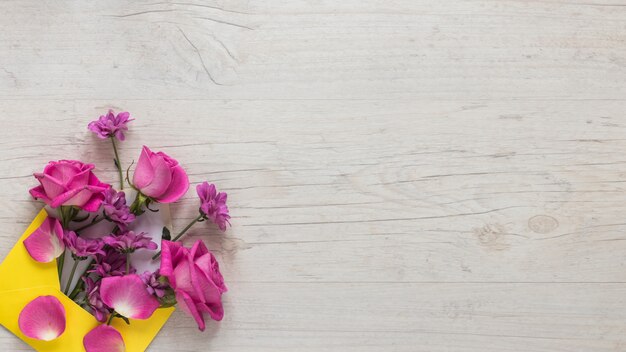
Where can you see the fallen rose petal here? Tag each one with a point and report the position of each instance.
(43, 318)
(128, 296)
(104, 338)
(46, 243)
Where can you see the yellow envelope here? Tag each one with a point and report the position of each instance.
(22, 279)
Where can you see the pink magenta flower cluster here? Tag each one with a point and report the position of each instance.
(110, 287)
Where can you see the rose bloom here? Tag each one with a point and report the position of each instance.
(160, 177)
(195, 276)
(70, 182)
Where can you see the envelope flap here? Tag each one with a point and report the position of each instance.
(19, 270)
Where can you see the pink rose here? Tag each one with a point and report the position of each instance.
(160, 177)
(195, 276)
(70, 182)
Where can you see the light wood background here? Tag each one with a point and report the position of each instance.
(403, 175)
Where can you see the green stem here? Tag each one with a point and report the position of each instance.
(69, 280)
(66, 213)
(111, 318)
(198, 218)
(60, 261)
(118, 163)
(81, 283)
(93, 222)
(138, 203)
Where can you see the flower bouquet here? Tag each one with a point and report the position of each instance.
(98, 269)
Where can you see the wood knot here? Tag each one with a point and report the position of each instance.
(542, 224)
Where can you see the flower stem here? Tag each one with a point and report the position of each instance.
(198, 218)
(118, 163)
(60, 261)
(69, 280)
(81, 283)
(111, 318)
(138, 204)
(93, 222)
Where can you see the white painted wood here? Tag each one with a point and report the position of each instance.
(403, 175)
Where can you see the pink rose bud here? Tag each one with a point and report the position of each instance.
(70, 182)
(160, 177)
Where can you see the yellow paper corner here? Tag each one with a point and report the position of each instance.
(22, 279)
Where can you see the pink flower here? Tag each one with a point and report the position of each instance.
(46, 243)
(213, 204)
(110, 125)
(160, 177)
(154, 286)
(129, 241)
(127, 295)
(195, 276)
(112, 263)
(43, 318)
(115, 208)
(70, 182)
(82, 247)
(104, 338)
(93, 300)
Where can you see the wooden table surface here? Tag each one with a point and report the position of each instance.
(403, 175)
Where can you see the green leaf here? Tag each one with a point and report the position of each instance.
(166, 234)
(123, 318)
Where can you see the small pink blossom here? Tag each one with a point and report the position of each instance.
(82, 247)
(111, 125)
(129, 241)
(93, 300)
(115, 208)
(213, 204)
(112, 263)
(154, 286)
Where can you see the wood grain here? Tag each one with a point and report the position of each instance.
(403, 175)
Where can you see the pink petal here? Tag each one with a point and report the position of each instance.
(168, 252)
(215, 310)
(182, 277)
(144, 173)
(186, 304)
(178, 186)
(78, 197)
(46, 243)
(211, 269)
(205, 288)
(128, 296)
(52, 186)
(43, 318)
(80, 179)
(93, 204)
(64, 170)
(104, 338)
(39, 193)
(161, 180)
